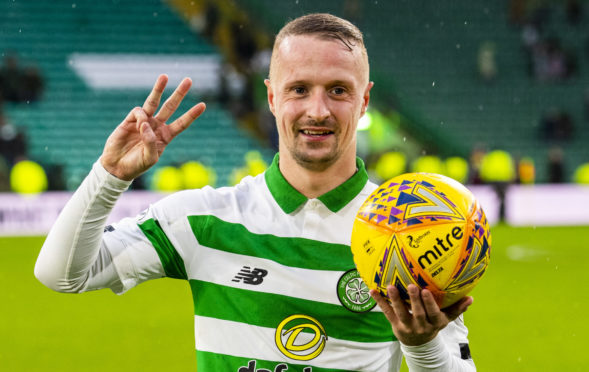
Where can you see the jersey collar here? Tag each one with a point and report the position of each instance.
(289, 199)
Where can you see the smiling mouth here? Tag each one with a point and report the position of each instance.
(311, 132)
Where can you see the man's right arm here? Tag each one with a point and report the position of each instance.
(74, 257)
(74, 247)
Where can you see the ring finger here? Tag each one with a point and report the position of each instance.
(417, 308)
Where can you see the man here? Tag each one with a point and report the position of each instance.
(268, 261)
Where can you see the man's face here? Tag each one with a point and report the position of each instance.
(318, 90)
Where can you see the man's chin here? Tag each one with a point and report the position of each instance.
(315, 162)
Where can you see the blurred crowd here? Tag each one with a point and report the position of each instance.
(246, 51)
(550, 61)
(19, 84)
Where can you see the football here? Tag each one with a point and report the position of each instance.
(425, 229)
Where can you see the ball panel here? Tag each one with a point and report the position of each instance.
(476, 256)
(367, 242)
(409, 200)
(394, 268)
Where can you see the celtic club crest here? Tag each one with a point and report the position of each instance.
(353, 292)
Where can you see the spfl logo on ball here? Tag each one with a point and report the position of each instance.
(353, 292)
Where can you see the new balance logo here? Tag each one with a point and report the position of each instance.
(249, 276)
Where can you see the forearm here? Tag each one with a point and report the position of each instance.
(73, 244)
(435, 356)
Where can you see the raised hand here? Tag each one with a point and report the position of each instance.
(139, 141)
(421, 322)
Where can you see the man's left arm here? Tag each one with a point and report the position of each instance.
(431, 339)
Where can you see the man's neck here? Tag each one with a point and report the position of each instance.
(314, 183)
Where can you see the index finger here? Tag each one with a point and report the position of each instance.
(153, 100)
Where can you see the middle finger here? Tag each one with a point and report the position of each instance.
(172, 103)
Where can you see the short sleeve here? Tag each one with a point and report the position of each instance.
(133, 255)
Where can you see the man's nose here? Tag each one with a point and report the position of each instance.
(318, 109)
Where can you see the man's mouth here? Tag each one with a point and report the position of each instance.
(312, 132)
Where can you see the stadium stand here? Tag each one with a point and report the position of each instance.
(423, 56)
(71, 122)
(424, 61)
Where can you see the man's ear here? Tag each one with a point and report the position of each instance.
(366, 97)
(270, 94)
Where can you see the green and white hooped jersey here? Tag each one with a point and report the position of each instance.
(271, 273)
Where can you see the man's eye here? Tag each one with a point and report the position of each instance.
(338, 91)
(299, 90)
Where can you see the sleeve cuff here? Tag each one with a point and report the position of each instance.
(114, 183)
(430, 354)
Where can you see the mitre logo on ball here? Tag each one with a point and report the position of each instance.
(425, 229)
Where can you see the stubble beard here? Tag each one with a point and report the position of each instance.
(304, 153)
(314, 163)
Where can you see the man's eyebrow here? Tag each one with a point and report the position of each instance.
(340, 82)
(330, 83)
(297, 82)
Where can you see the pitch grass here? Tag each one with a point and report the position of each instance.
(528, 313)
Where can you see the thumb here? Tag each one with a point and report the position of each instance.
(455, 310)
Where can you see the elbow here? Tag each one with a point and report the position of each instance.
(51, 280)
(46, 277)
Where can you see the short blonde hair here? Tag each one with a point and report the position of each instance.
(324, 26)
